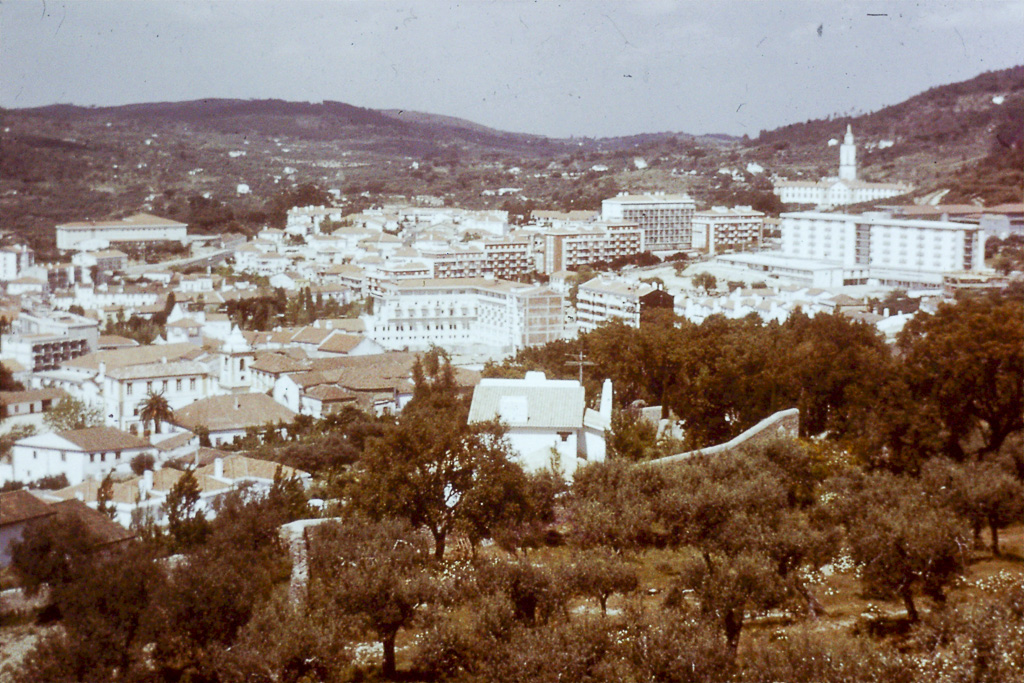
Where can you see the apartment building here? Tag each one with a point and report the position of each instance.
(834, 249)
(603, 300)
(42, 341)
(567, 248)
(666, 220)
(463, 313)
(723, 228)
(140, 228)
(14, 260)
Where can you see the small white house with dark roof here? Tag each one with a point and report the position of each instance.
(547, 419)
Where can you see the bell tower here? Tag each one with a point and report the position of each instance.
(848, 156)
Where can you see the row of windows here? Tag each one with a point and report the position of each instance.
(164, 384)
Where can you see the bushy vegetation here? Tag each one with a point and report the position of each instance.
(460, 566)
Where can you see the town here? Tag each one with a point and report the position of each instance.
(311, 392)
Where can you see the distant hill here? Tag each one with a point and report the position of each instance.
(934, 136)
(228, 164)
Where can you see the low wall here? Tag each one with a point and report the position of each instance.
(785, 424)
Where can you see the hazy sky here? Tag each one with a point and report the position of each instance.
(591, 67)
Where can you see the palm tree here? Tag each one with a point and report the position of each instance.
(155, 409)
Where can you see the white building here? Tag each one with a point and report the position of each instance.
(841, 190)
(140, 228)
(832, 249)
(14, 260)
(78, 454)
(722, 228)
(603, 300)
(463, 314)
(564, 248)
(42, 341)
(666, 220)
(548, 421)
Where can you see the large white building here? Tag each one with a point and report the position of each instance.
(842, 190)
(140, 228)
(723, 228)
(42, 341)
(566, 247)
(464, 313)
(666, 220)
(834, 249)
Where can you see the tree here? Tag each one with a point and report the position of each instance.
(902, 539)
(967, 362)
(611, 505)
(375, 572)
(600, 575)
(705, 280)
(71, 413)
(156, 409)
(186, 522)
(52, 552)
(104, 494)
(432, 468)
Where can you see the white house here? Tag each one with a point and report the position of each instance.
(548, 421)
(79, 454)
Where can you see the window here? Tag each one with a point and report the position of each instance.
(163, 388)
(149, 387)
(177, 385)
(192, 384)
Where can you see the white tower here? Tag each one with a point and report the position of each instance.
(848, 156)
(234, 363)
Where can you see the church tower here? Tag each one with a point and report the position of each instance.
(848, 157)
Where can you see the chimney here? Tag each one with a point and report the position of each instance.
(163, 359)
(146, 484)
(218, 468)
(103, 370)
(238, 403)
(606, 400)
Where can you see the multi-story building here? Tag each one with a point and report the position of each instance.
(464, 313)
(841, 190)
(42, 341)
(14, 260)
(567, 248)
(138, 229)
(602, 300)
(722, 228)
(833, 249)
(666, 220)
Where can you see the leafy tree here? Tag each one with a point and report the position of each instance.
(71, 413)
(432, 468)
(631, 437)
(156, 409)
(104, 494)
(600, 575)
(52, 552)
(142, 462)
(374, 572)
(186, 523)
(705, 280)
(986, 493)
(611, 504)
(967, 363)
(901, 539)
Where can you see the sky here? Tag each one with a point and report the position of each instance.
(576, 68)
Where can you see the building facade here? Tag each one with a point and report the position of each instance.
(722, 228)
(140, 228)
(666, 220)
